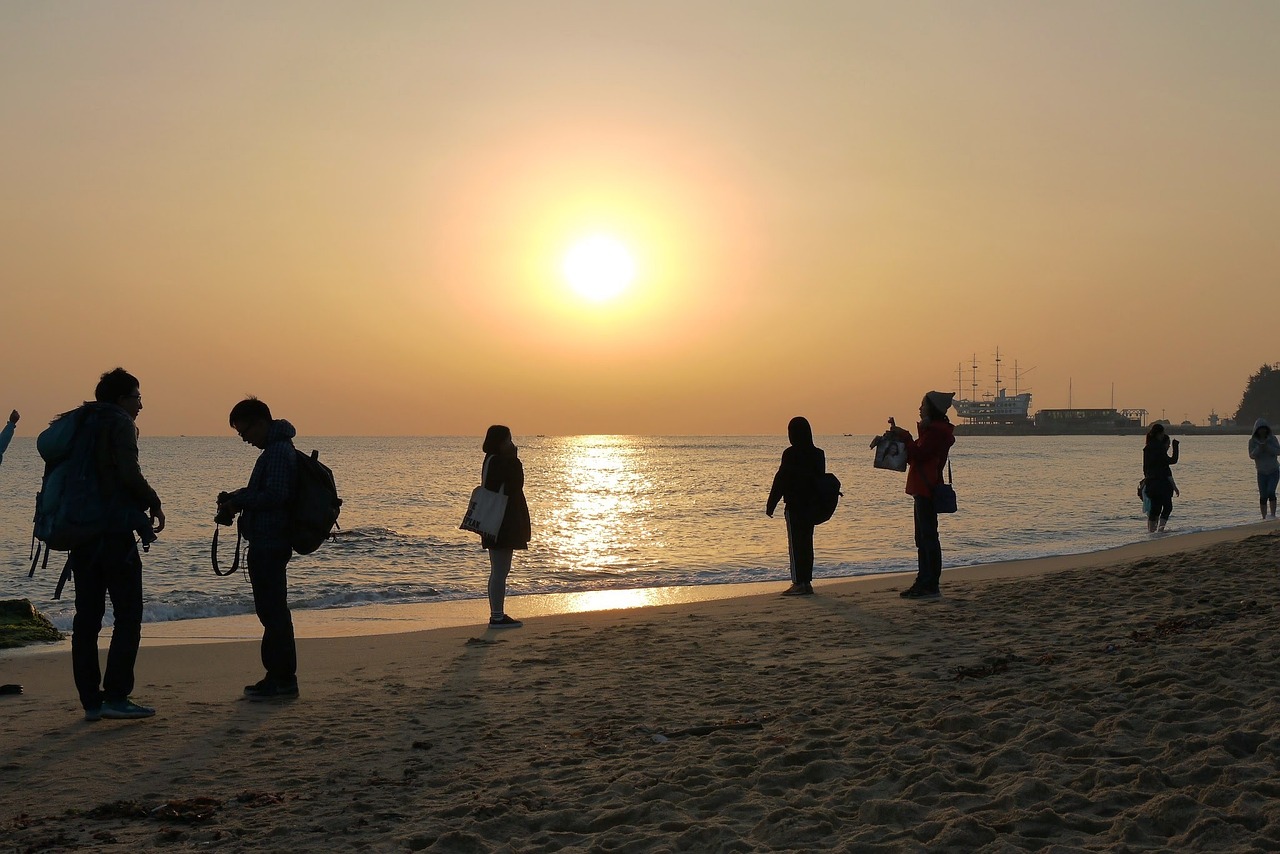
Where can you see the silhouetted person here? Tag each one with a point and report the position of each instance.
(796, 484)
(6, 434)
(109, 564)
(926, 459)
(264, 507)
(502, 471)
(1264, 448)
(1158, 476)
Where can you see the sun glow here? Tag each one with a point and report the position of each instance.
(599, 267)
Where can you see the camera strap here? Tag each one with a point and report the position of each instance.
(213, 554)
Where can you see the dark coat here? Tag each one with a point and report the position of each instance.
(1156, 468)
(516, 530)
(267, 502)
(120, 478)
(797, 477)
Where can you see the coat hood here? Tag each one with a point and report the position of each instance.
(799, 432)
(280, 431)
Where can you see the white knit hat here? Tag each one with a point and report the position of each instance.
(940, 400)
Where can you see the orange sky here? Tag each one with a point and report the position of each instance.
(358, 211)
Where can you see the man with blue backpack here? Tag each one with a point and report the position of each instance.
(110, 501)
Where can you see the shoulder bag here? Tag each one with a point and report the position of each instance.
(944, 494)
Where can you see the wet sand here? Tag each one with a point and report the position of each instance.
(1124, 700)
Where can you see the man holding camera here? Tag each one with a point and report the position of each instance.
(264, 507)
(108, 563)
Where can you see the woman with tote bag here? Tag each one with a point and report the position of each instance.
(503, 472)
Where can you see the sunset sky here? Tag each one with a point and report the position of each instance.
(360, 211)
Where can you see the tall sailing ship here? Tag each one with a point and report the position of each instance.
(997, 409)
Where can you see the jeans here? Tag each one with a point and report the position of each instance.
(268, 567)
(106, 566)
(799, 549)
(928, 548)
(1267, 484)
(499, 569)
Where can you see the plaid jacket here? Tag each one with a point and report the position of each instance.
(265, 502)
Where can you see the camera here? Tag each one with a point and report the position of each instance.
(224, 516)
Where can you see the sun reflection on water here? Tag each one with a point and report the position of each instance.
(601, 521)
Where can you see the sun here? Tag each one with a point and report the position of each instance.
(599, 267)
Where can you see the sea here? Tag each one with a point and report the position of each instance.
(626, 512)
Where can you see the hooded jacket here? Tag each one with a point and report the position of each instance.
(1264, 452)
(926, 455)
(797, 475)
(265, 502)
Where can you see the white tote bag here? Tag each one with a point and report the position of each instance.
(486, 508)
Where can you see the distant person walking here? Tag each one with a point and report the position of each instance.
(796, 484)
(502, 471)
(1264, 448)
(6, 434)
(109, 564)
(1158, 476)
(264, 507)
(926, 459)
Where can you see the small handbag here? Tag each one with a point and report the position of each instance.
(891, 452)
(486, 508)
(944, 495)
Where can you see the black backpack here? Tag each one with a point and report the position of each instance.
(826, 493)
(316, 505)
(312, 516)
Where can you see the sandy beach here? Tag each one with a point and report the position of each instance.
(1119, 701)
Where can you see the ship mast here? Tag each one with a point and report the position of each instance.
(1018, 375)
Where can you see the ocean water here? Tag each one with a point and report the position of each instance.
(618, 512)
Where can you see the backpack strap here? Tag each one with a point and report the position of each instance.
(62, 579)
(68, 569)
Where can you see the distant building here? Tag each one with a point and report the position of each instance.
(1085, 420)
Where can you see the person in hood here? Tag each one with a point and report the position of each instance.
(1264, 449)
(264, 507)
(796, 484)
(1157, 476)
(926, 460)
